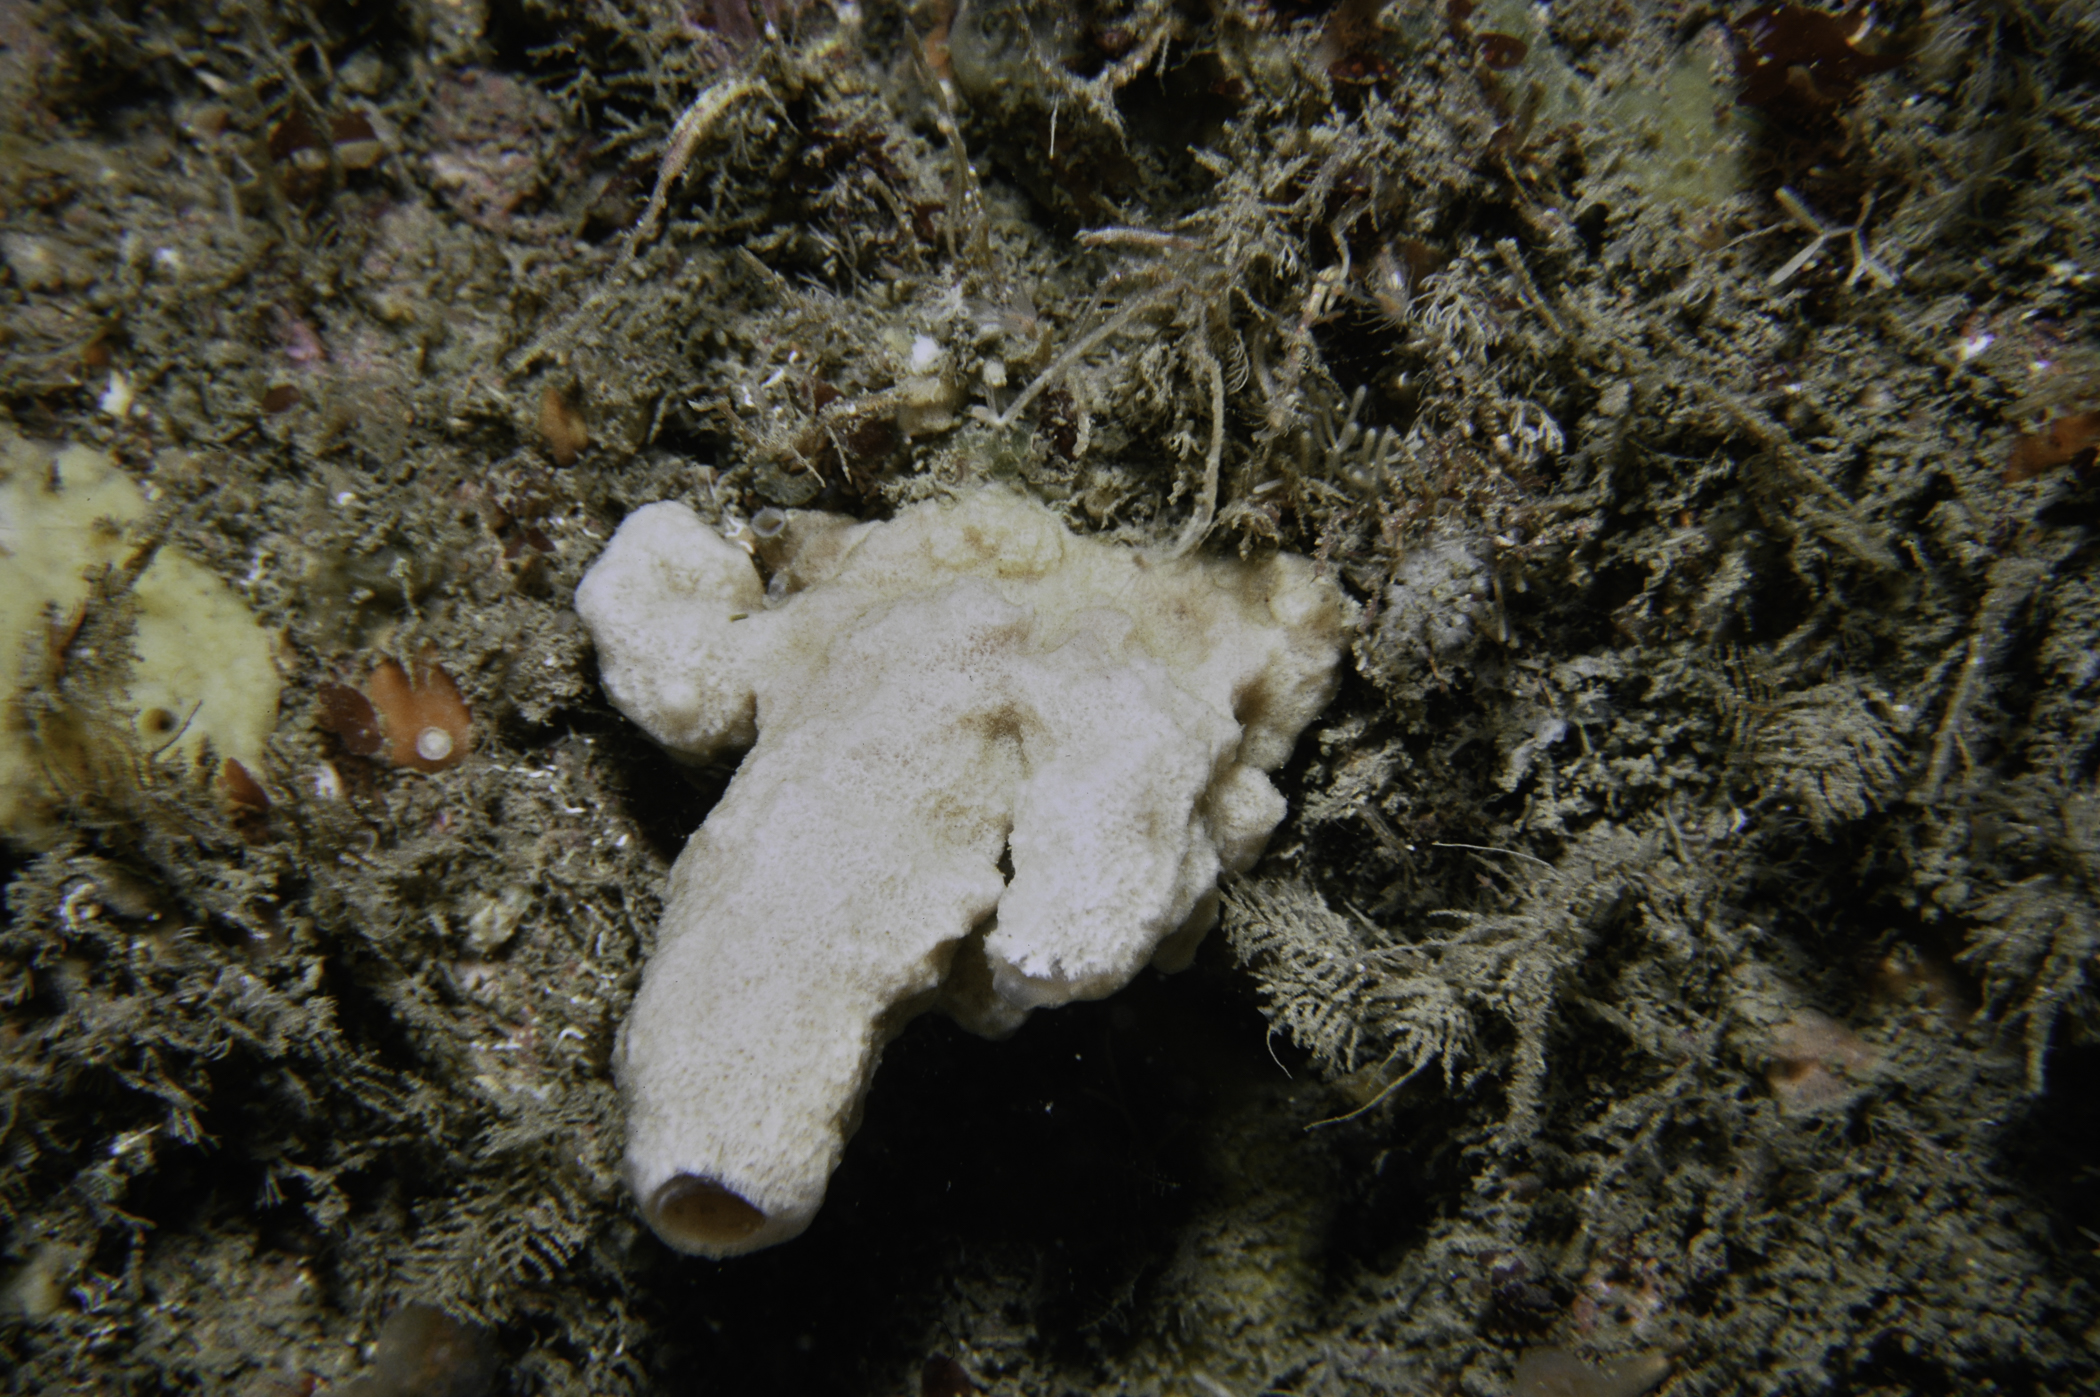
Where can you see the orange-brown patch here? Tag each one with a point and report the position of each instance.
(414, 719)
(2073, 440)
(563, 427)
(241, 788)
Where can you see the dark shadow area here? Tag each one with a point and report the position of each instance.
(2055, 1151)
(1067, 1154)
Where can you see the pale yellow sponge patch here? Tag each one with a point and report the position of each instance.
(994, 767)
(204, 672)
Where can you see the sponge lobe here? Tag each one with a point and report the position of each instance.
(660, 605)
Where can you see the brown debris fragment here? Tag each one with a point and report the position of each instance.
(305, 158)
(1502, 51)
(428, 725)
(1348, 47)
(2072, 441)
(1798, 64)
(414, 719)
(348, 714)
(247, 804)
(356, 142)
(241, 787)
(562, 427)
(1817, 1062)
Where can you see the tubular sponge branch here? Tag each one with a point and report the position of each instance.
(993, 767)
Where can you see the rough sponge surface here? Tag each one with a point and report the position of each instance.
(995, 766)
(202, 670)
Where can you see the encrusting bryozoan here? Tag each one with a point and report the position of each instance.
(923, 698)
